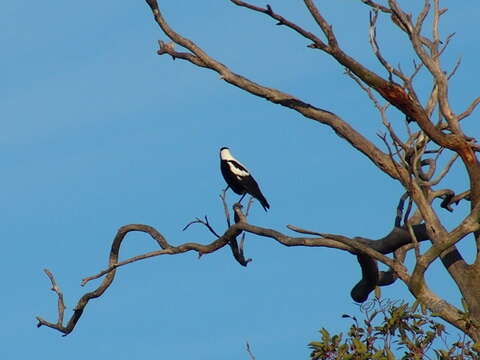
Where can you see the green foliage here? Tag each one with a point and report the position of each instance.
(393, 330)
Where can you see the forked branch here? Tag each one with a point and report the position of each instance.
(368, 251)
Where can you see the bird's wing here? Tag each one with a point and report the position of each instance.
(237, 169)
(253, 189)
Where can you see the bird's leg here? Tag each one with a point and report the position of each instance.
(239, 201)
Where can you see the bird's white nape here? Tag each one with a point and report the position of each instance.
(225, 154)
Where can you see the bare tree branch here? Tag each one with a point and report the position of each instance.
(60, 306)
(364, 247)
(203, 222)
(376, 50)
(223, 196)
(445, 171)
(376, 6)
(283, 21)
(406, 160)
(470, 109)
(114, 264)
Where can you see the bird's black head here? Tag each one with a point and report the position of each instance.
(224, 148)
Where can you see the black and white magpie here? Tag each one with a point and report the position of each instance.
(239, 179)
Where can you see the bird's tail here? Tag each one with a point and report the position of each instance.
(263, 201)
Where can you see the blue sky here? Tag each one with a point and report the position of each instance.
(99, 132)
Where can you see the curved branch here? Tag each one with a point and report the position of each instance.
(369, 281)
(114, 264)
(432, 166)
(365, 248)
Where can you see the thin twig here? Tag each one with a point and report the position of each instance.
(470, 109)
(455, 68)
(381, 108)
(444, 171)
(376, 49)
(60, 303)
(203, 222)
(414, 240)
(317, 42)
(249, 351)
(384, 138)
(223, 196)
(303, 231)
(242, 238)
(376, 6)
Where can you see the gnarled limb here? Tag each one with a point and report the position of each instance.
(166, 249)
(368, 252)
